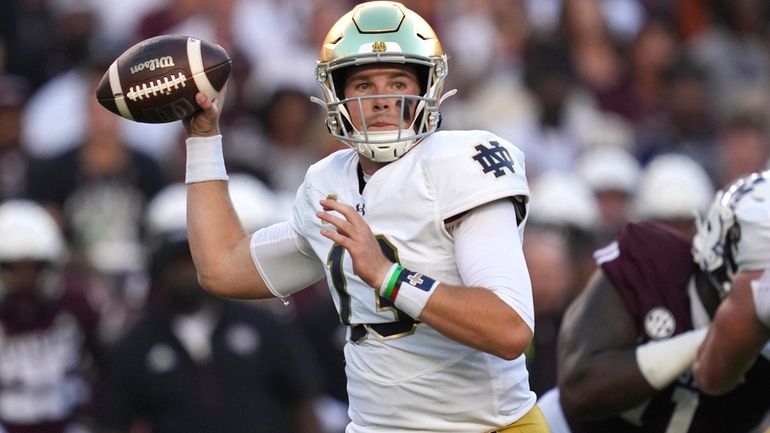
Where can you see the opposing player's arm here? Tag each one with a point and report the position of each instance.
(598, 372)
(734, 340)
(473, 315)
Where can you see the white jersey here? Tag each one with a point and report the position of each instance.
(417, 379)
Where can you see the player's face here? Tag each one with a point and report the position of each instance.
(381, 114)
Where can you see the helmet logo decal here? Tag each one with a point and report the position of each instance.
(494, 159)
(379, 47)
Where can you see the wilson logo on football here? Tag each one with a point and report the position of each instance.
(158, 87)
(153, 64)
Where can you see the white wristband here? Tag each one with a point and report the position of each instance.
(662, 361)
(205, 159)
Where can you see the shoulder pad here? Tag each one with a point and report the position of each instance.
(470, 168)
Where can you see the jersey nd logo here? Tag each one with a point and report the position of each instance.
(494, 159)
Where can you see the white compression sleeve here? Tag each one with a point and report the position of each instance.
(760, 289)
(662, 361)
(284, 259)
(489, 254)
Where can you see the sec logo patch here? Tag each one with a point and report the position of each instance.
(659, 323)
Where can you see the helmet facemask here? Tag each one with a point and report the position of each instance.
(720, 234)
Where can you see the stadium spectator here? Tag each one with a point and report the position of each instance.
(98, 192)
(14, 91)
(733, 52)
(50, 345)
(196, 363)
(744, 146)
(557, 246)
(286, 119)
(653, 52)
(686, 124)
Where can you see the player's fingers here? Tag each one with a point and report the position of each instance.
(336, 237)
(340, 224)
(203, 101)
(347, 211)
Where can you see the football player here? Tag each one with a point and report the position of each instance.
(739, 223)
(628, 341)
(417, 231)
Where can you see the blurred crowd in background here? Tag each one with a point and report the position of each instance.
(625, 109)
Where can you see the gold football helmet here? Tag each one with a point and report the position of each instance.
(382, 32)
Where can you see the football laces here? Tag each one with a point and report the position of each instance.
(154, 88)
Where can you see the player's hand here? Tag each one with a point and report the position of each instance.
(206, 123)
(354, 234)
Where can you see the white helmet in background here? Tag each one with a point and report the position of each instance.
(735, 233)
(672, 187)
(254, 202)
(563, 198)
(609, 168)
(28, 232)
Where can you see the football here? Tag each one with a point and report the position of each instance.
(156, 80)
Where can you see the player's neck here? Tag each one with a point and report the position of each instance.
(370, 167)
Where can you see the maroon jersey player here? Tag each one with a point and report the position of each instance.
(627, 343)
(45, 323)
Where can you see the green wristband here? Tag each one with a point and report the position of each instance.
(389, 292)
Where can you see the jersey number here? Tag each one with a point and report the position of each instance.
(686, 403)
(335, 261)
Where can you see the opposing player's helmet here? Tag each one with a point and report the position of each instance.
(28, 232)
(382, 32)
(735, 234)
